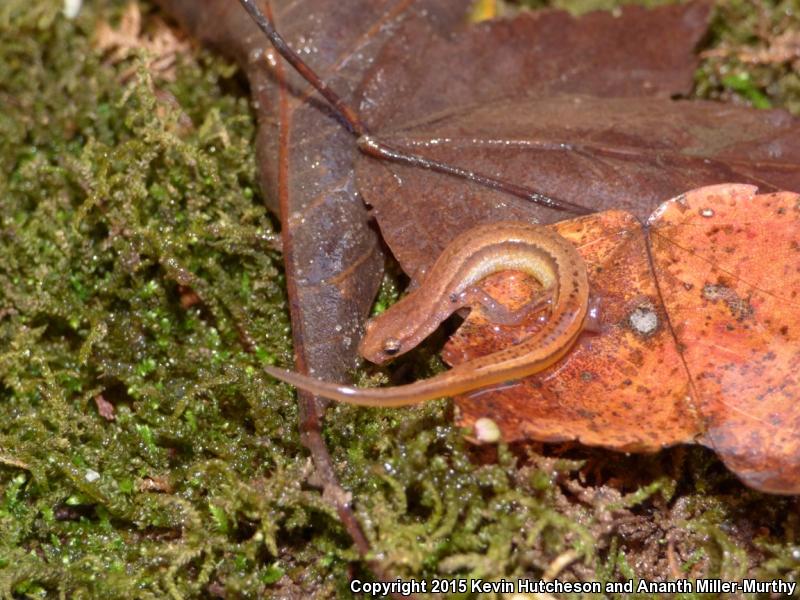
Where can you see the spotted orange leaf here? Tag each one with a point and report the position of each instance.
(697, 337)
(728, 265)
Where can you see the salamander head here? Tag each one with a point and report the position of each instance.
(381, 342)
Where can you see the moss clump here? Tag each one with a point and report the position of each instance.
(135, 256)
(137, 266)
(752, 56)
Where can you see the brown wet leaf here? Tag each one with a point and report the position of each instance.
(575, 108)
(705, 343)
(633, 53)
(604, 152)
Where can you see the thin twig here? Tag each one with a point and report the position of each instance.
(344, 110)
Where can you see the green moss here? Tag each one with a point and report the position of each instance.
(743, 62)
(579, 7)
(135, 254)
(117, 210)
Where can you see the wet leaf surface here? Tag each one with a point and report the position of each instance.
(586, 118)
(607, 153)
(632, 52)
(702, 344)
(728, 265)
(623, 387)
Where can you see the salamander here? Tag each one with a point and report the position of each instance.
(449, 285)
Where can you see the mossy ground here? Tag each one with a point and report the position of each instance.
(137, 263)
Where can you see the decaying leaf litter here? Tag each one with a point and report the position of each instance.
(718, 514)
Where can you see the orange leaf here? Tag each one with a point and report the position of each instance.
(728, 264)
(622, 388)
(699, 344)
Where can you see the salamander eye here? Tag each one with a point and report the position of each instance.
(391, 346)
